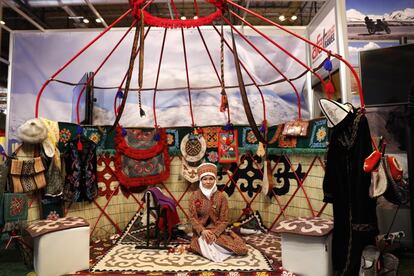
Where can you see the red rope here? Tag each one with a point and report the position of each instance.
(156, 80)
(271, 64)
(39, 94)
(156, 21)
(283, 50)
(248, 73)
(188, 79)
(97, 70)
(354, 73)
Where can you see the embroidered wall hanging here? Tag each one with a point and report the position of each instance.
(15, 207)
(173, 141)
(193, 147)
(228, 148)
(189, 172)
(211, 136)
(141, 160)
(51, 208)
(249, 140)
(282, 175)
(319, 134)
(247, 175)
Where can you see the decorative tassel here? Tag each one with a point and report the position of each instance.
(79, 144)
(157, 136)
(123, 132)
(228, 126)
(224, 103)
(79, 130)
(200, 131)
(263, 126)
(327, 65)
(261, 150)
(141, 112)
(119, 94)
(330, 89)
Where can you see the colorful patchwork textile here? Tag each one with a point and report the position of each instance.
(319, 134)
(212, 156)
(52, 208)
(173, 141)
(15, 207)
(249, 140)
(140, 159)
(211, 136)
(287, 141)
(193, 147)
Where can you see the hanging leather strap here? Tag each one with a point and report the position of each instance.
(243, 94)
(129, 76)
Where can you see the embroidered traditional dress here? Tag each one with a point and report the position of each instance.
(80, 182)
(213, 215)
(346, 186)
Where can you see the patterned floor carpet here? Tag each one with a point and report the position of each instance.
(121, 257)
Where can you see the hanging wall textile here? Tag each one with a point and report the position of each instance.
(80, 165)
(141, 160)
(211, 136)
(27, 175)
(15, 207)
(319, 134)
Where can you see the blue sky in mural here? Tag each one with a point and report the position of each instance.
(379, 6)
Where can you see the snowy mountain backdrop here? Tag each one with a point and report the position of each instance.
(404, 16)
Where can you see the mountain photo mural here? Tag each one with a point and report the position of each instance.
(380, 19)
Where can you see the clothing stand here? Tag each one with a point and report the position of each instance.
(160, 213)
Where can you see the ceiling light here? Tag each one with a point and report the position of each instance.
(85, 20)
(294, 17)
(282, 18)
(2, 22)
(98, 20)
(183, 17)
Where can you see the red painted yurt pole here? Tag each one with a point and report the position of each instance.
(39, 94)
(97, 70)
(270, 63)
(157, 78)
(188, 79)
(282, 49)
(214, 67)
(248, 73)
(354, 73)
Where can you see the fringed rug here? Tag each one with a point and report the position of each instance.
(124, 257)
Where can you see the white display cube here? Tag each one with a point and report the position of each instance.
(60, 250)
(306, 246)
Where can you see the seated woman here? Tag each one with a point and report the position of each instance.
(209, 218)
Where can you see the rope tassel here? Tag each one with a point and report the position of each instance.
(224, 103)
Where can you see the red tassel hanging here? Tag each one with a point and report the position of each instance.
(79, 145)
(329, 88)
(224, 104)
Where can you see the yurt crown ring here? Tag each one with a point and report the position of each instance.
(151, 20)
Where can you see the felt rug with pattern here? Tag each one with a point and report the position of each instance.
(124, 257)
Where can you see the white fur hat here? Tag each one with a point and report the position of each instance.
(33, 131)
(335, 112)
